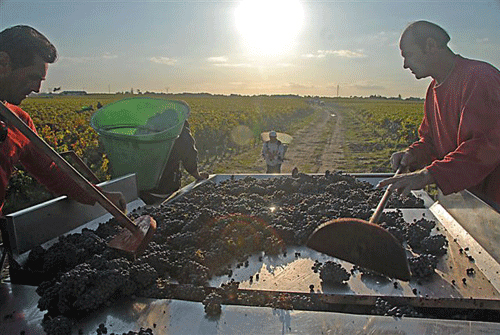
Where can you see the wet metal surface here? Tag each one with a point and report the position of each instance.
(19, 313)
(291, 271)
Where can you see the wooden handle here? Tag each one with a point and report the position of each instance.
(78, 161)
(38, 142)
(383, 201)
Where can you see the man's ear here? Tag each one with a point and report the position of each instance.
(5, 64)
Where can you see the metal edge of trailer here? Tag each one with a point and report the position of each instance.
(42, 223)
(475, 226)
(170, 316)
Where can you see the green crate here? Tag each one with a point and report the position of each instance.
(138, 135)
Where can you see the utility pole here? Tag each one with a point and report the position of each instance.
(338, 89)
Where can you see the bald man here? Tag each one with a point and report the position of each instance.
(459, 137)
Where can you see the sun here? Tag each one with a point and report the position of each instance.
(269, 27)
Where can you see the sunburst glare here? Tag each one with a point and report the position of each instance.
(269, 27)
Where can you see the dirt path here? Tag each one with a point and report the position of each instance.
(315, 148)
(318, 146)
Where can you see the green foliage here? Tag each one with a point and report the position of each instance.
(213, 119)
(374, 129)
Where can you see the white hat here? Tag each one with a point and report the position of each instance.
(272, 134)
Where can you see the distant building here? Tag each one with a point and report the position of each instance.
(73, 93)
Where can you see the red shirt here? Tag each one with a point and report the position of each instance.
(460, 132)
(18, 149)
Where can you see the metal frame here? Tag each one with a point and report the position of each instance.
(183, 316)
(42, 224)
(475, 226)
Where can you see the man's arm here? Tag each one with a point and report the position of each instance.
(421, 152)
(479, 143)
(188, 153)
(477, 154)
(281, 152)
(47, 173)
(264, 150)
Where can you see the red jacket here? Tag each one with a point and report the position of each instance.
(18, 149)
(460, 132)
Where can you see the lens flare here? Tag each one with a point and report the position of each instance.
(241, 135)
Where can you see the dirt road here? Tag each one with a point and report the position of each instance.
(318, 146)
(315, 148)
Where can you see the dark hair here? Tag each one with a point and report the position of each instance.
(23, 43)
(422, 30)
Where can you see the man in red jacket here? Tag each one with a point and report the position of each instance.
(24, 57)
(459, 145)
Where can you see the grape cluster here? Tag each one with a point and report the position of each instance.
(423, 265)
(143, 274)
(435, 244)
(212, 304)
(383, 307)
(91, 285)
(333, 273)
(229, 291)
(58, 325)
(194, 273)
(142, 331)
(69, 251)
(106, 283)
(415, 233)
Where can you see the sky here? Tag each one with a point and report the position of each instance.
(304, 47)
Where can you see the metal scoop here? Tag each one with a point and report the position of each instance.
(363, 243)
(138, 233)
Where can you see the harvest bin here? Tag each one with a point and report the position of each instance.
(138, 135)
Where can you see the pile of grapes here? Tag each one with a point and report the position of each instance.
(333, 273)
(382, 307)
(200, 235)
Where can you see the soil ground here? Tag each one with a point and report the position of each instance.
(318, 146)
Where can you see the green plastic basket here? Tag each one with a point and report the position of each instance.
(138, 135)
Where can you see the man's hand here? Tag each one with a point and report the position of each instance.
(402, 158)
(117, 199)
(404, 183)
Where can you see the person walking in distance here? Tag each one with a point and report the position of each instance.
(273, 152)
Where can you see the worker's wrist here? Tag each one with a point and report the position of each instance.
(429, 179)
